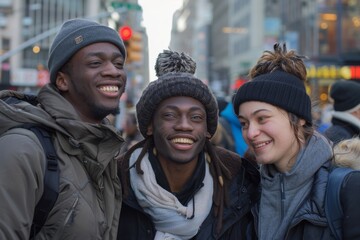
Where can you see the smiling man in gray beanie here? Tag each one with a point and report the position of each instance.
(76, 34)
(346, 115)
(86, 63)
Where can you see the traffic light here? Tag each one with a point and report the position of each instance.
(133, 44)
(125, 33)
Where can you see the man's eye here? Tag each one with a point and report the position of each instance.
(169, 115)
(197, 117)
(95, 63)
(119, 65)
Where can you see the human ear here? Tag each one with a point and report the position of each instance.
(150, 130)
(62, 82)
(302, 122)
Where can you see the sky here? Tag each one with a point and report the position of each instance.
(157, 18)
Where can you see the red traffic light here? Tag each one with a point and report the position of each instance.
(125, 32)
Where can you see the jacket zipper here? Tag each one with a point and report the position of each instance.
(59, 233)
(71, 210)
(282, 189)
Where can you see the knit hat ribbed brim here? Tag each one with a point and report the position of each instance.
(277, 88)
(75, 34)
(346, 95)
(172, 85)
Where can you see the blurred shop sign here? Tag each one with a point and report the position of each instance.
(333, 72)
(25, 77)
(43, 77)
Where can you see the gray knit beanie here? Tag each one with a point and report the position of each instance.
(75, 34)
(174, 80)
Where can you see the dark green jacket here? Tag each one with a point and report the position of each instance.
(89, 202)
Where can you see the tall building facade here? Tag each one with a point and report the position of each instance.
(219, 47)
(326, 31)
(27, 29)
(190, 34)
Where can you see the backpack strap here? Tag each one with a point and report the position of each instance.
(333, 209)
(51, 178)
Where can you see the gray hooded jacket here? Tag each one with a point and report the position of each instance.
(89, 202)
(293, 202)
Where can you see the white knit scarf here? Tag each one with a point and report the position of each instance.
(172, 220)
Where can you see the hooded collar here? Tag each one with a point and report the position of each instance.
(93, 144)
(348, 118)
(288, 196)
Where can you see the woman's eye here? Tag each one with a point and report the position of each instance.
(243, 124)
(262, 119)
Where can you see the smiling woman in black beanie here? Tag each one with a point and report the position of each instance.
(275, 113)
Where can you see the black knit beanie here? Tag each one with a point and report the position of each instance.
(174, 81)
(277, 88)
(346, 95)
(75, 34)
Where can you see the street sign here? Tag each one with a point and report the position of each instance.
(127, 5)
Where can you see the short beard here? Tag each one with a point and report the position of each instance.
(101, 113)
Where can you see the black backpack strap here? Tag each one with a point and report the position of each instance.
(333, 209)
(51, 178)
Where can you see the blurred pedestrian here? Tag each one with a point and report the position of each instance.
(317, 116)
(228, 134)
(234, 126)
(222, 103)
(86, 64)
(223, 136)
(176, 184)
(346, 115)
(131, 131)
(275, 113)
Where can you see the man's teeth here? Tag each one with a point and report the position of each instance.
(109, 88)
(182, 140)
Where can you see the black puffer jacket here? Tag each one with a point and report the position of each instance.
(243, 191)
(309, 227)
(311, 223)
(341, 130)
(350, 199)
